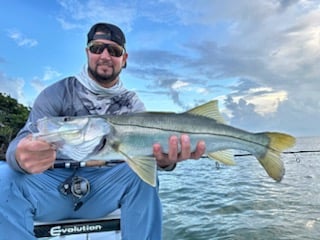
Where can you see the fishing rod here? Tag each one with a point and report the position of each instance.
(286, 152)
(90, 163)
(110, 163)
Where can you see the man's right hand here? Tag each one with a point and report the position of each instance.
(35, 156)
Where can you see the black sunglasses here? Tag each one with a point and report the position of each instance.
(98, 48)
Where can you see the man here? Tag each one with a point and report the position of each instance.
(31, 189)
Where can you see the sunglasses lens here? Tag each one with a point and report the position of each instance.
(96, 48)
(113, 50)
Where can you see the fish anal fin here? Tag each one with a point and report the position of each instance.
(225, 157)
(144, 166)
(209, 110)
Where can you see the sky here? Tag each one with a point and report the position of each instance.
(259, 58)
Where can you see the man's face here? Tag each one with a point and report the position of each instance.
(104, 66)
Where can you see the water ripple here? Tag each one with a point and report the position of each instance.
(242, 202)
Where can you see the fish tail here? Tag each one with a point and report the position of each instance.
(270, 160)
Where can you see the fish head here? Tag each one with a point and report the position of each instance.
(75, 137)
(49, 124)
(73, 128)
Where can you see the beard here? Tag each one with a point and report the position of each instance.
(103, 78)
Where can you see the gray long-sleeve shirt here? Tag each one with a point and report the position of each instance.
(63, 98)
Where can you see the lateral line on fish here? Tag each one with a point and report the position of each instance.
(193, 133)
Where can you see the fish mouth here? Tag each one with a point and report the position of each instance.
(101, 145)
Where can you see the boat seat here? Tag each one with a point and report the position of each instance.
(111, 222)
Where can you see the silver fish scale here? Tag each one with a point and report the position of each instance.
(144, 129)
(183, 123)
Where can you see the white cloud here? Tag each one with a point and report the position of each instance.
(179, 84)
(21, 40)
(76, 12)
(13, 87)
(68, 25)
(50, 74)
(37, 84)
(266, 102)
(201, 90)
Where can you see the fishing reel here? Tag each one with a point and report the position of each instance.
(76, 186)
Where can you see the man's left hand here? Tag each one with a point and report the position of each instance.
(174, 156)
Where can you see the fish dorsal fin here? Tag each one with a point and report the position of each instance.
(209, 110)
(225, 157)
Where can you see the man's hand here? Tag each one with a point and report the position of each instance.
(174, 156)
(35, 156)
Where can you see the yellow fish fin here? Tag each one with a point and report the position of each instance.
(225, 157)
(271, 159)
(144, 166)
(209, 110)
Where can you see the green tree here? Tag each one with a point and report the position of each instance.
(13, 116)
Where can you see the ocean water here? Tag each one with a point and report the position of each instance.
(204, 201)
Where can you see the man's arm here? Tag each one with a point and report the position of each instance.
(32, 156)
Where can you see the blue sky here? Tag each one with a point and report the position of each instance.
(259, 58)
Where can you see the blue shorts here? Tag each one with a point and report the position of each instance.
(26, 198)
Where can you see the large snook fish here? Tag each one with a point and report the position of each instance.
(132, 136)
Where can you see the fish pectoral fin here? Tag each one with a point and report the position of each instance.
(145, 167)
(225, 157)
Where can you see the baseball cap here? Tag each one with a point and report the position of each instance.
(111, 32)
